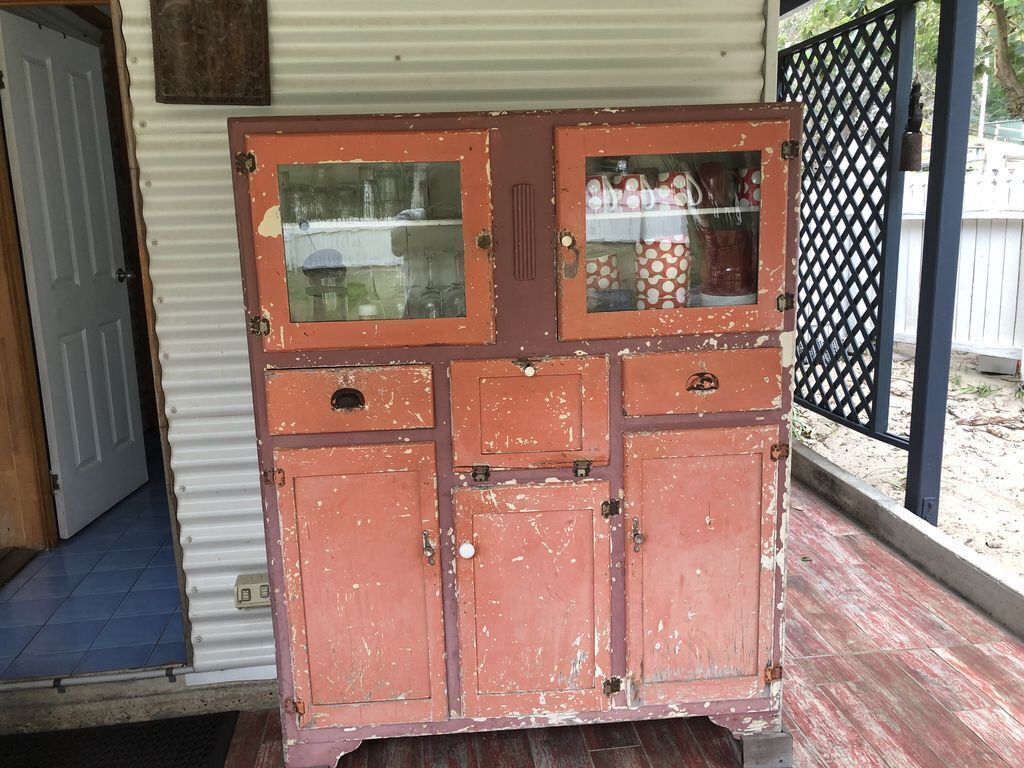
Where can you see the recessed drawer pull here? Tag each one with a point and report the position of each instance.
(347, 399)
(702, 382)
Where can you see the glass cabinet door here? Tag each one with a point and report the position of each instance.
(372, 239)
(670, 229)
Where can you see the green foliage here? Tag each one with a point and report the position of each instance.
(826, 14)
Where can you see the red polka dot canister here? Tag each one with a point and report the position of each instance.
(663, 272)
(748, 187)
(603, 272)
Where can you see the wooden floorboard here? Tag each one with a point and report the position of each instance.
(884, 668)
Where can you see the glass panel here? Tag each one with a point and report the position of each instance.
(671, 231)
(372, 241)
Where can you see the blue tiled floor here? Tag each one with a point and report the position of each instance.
(107, 599)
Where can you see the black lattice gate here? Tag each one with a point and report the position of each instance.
(854, 82)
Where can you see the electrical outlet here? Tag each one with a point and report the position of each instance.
(252, 590)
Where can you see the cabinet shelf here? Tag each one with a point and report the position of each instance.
(629, 215)
(344, 225)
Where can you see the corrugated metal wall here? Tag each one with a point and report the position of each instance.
(336, 56)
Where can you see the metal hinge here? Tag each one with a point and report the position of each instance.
(3, 83)
(481, 473)
(611, 508)
(581, 468)
(772, 673)
(273, 477)
(295, 706)
(780, 451)
(611, 685)
(54, 482)
(245, 163)
(790, 149)
(785, 301)
(259, 326)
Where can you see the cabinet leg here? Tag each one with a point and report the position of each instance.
(318, 755)
(760, 740)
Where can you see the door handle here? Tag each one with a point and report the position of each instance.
(428, 548)
(637, 536)
(123, 275)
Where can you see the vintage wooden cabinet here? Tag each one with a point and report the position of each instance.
(522, 384)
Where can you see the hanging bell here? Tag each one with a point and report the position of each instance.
(911, 147)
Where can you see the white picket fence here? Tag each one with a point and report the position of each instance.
(989, 309)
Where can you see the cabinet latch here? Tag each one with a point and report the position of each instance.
(273, 477)
(259, 325)
(295, 706)
(785, 301)
(790, 149)
(772, 673)
(611, 685)
(245, 163)
(780, 451)
(610, 508)
(581, 467)
(481, 473)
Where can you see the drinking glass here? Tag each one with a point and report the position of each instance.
(428, 302)
(453, 298)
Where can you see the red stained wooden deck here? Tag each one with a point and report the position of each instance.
(884, 669)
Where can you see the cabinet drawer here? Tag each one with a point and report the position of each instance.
(702, 382)
(302, 402)
(516, 414)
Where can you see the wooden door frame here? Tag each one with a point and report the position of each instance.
(43, 527)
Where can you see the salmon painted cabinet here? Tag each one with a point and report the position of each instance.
(522, 384)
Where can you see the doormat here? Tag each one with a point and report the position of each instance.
(183, 742)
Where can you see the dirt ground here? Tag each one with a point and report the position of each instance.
(982, 499)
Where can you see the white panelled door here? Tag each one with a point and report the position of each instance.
(63, 173)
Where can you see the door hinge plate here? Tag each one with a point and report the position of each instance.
(259, 325)
(295, 706)
(790, 149)
(772, 673)
(611, 508)
(245, 163)
(581, 467)
(54, 482)
(274, 477)
(481, 473)
(785, 301)
(611, 685)
(780, 451)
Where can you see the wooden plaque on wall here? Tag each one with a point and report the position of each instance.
(211, 51)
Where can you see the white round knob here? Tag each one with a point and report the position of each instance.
(529, 370)
(466, 550)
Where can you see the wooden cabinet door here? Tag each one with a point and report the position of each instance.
(699, 588)
(534, 598)
(364, 603)
(349, 229)
(688, 235)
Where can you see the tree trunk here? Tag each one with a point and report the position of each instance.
(1005, 73)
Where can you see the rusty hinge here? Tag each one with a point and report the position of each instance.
(295, 706)
(581, 468)
(611, 508)
(785, 301)
(780, 451)
(790, 149)
(274, 477)
(54, 482)
(481, 473)
(611, 685)
(245, 163)
(259, 325)
(772, 673)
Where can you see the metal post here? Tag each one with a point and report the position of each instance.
(943, 214)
